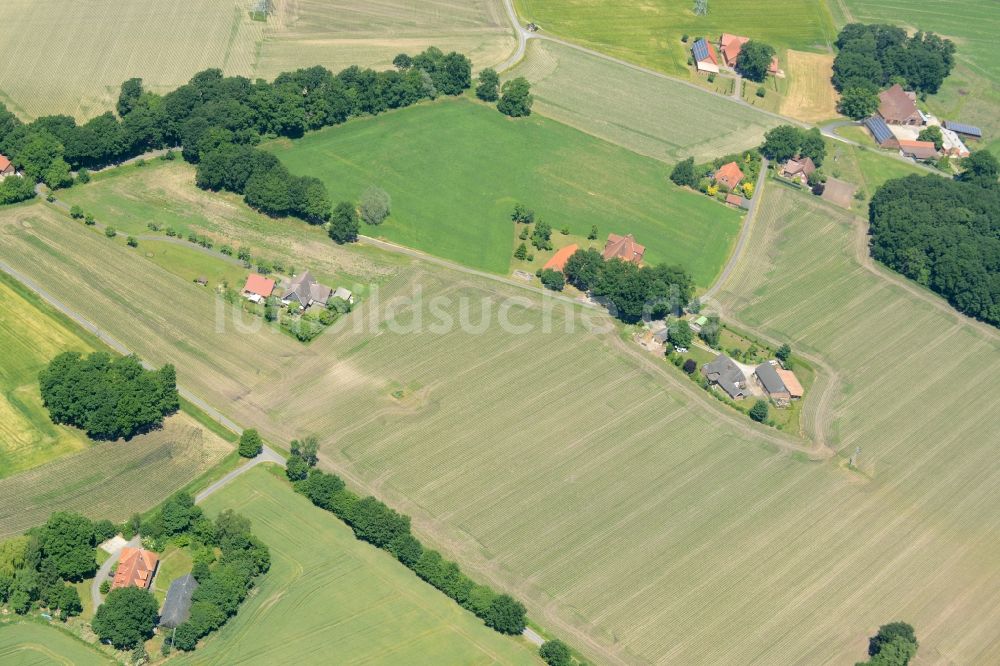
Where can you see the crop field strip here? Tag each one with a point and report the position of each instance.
(111, 479)
(662, 118)
(30, 338)
(340, 33)
(34, 644)
(909, 369)
(596, 440)
(455, 202)
(328, 593)
(649, 32)
(72, 57)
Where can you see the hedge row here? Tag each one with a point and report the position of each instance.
(381, 526)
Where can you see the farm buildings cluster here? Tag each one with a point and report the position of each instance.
(138, 567)
(739, 381)
(898, 123)
(706, 58)
(302, 293)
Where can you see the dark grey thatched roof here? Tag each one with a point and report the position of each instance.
(178, 602)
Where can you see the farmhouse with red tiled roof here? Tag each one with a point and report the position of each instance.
(729, 174)
(6, 168)
(623, 247)
(559, 259)
(258, 287)
(136, 568)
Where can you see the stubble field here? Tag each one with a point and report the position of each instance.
(455, 170)
(71, 58)
(636, 516)
(331, 598)
(113, 479)
(647, 114)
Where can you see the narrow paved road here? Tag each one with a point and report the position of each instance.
(267, 455)
(741, 242)
(105, 570)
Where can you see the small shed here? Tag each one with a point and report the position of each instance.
(734, 199)
(343, 294)
(177, 605)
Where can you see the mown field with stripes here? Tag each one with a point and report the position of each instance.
(651, 115)
(637, 517)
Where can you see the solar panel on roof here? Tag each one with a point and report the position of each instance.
(879, 129)
(700, 50)
(962, 128)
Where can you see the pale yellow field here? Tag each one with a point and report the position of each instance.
(638, 518)
(811, 97)
(30, 339)
(71, 57)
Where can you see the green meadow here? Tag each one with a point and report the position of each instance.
(456, 168)
(329, 598)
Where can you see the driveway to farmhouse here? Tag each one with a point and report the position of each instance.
(105, 570)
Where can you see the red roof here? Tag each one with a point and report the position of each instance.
(4, 163)
(729, 174)
(731, 46)
(135, 568)
(559, 259)
(258, 284)
(734, 199)
(623, 247)
(773, 67)
(919, 149)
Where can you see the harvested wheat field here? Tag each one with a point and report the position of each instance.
(71, 57)
(340, 33)
(112, 479)
(811, 97)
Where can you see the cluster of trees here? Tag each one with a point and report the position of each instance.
(754, 60)
(895, 644)
(304, 456)
(630, 291)
(513, 98)
(127, 617)
(223, 581)
(15, 188)
(872, 57)
(787, 141)
(35, 569)
(945, 234)
(109, 398)
(381, 526)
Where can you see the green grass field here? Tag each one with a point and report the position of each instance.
(866, 167)
(329, 594)
(649, 33)
(31, 334)
(34, 644)
(112, 480)
(164, 192)
(647, 114)
(455, 169)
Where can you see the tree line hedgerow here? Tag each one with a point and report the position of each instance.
(945, 234)
(109, 398)
(383, 527)
(214, 113)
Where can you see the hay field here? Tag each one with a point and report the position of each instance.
(653, 116)
(637, 517)
(71, 57)
(34, 644)
(163, 191)
(31, 334)
(648, 32)
(329, 594)
(111, 480)
(918, 539)
(339, 33)
(810, 97)
(455, 170)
